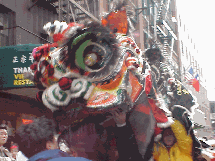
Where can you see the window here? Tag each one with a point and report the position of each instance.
(7, 18)
(179, 20)
(182, 48)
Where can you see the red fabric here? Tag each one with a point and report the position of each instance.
(143, 108)
(13, 147)
(157, 131)
(148, 84)
(60, 36)
(116, 20)
(195, 84)
(159, 114)
(26, 121)
(57, 37)
(33, 66)
(37, 76)
(37, 55)
(50, 70)
(113, 142)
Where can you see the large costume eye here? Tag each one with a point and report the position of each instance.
(91, 59)
(94, 56)
(94, 50)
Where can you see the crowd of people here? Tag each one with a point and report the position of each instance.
(39, 140)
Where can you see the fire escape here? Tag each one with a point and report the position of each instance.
(71, 10)
(166, 31)
(157, 15)
(78, 10)
(75, 11)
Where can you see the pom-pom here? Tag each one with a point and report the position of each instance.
(33, 66)
(65, 83)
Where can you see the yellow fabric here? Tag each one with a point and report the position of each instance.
(180, 151)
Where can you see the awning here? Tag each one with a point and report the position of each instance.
(199, 119)
(198, 126)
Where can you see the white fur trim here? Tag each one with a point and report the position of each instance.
(64, 26)
(89, 91)
(182, 107)
(192, 109)
(57, 26)
(158, 137)
(166, 124)
(131, 58)
(121, 125)
(46, 27)
(131, 67)
(46, 102)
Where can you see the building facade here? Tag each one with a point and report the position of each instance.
(23, 21)
(151, 21)
(189, 66)
(212, 115)
(154, 22)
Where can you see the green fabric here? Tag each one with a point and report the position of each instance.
(14, 60)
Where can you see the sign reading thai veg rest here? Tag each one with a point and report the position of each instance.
(14, 62)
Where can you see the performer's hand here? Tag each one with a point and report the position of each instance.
(119, 117)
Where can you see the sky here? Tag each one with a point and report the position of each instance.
(199, 19)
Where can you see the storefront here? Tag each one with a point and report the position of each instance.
(17, 94)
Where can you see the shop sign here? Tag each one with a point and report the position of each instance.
(14, 62)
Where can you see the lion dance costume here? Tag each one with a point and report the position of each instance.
(104, 66)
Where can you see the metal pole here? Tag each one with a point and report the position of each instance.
(155, 23)
(28, 32)
(141, 27)
(59, 9)
(68, 16)
(73, 15)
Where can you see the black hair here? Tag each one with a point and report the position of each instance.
(33, 136)
(4, 127)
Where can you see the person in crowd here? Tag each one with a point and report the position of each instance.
(4, 152)
(38, 141)
(10, 129)
(4, 123)
(126, 142)
(14, 149)
(176, 142)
